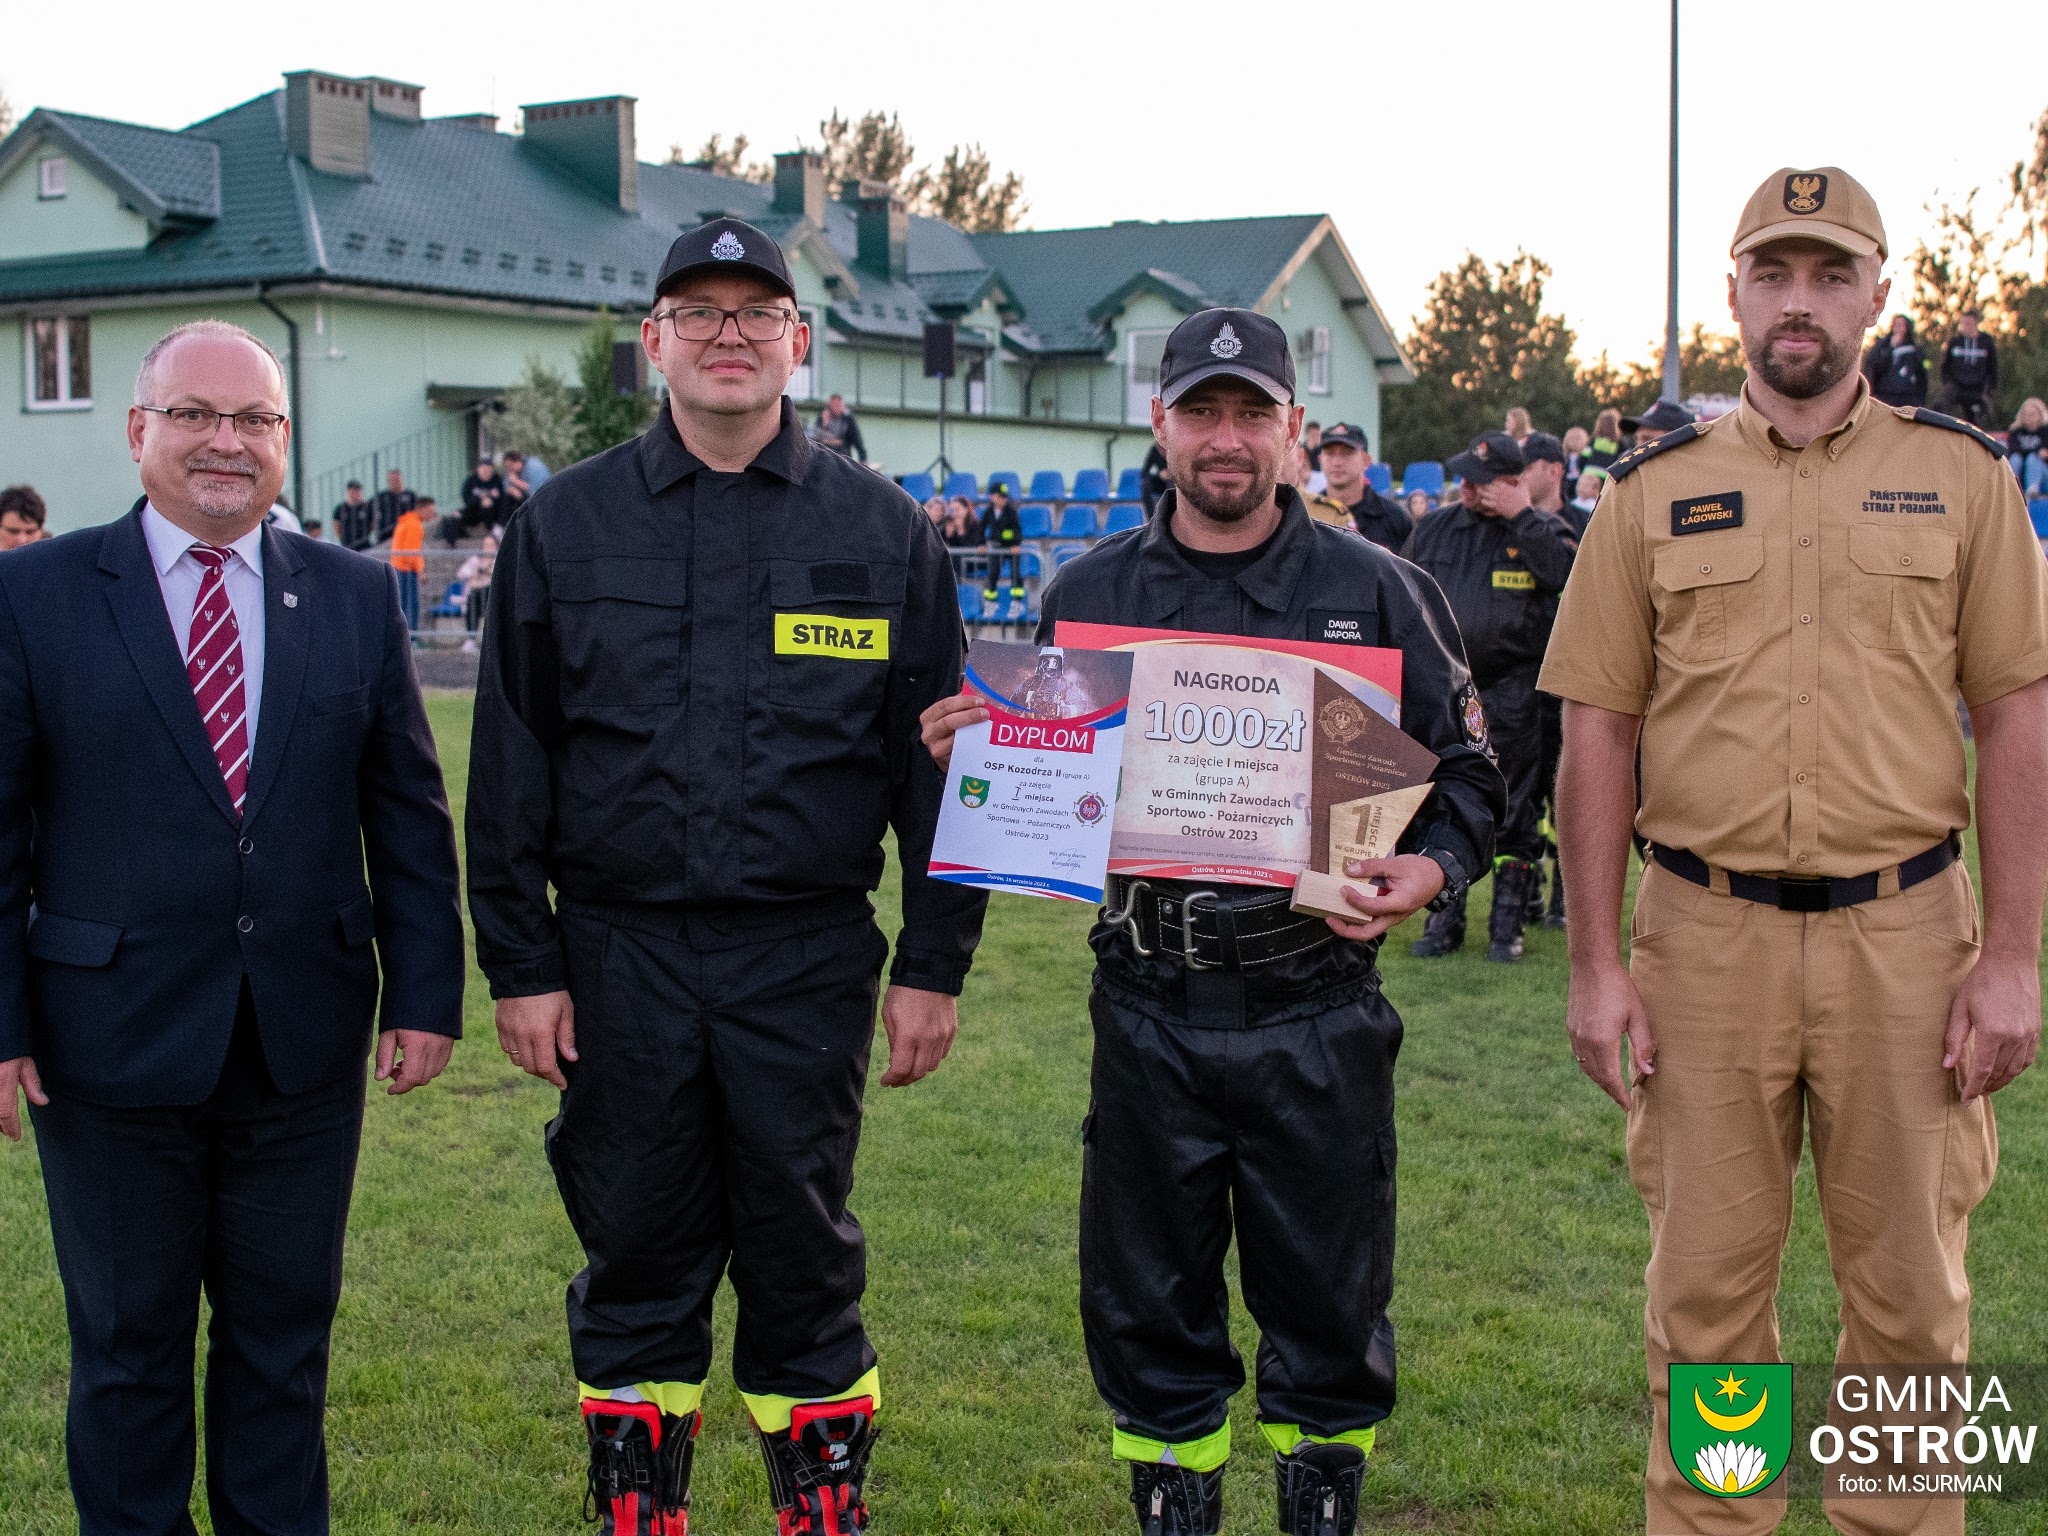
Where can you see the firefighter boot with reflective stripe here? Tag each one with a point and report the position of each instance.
(1443, 934)
(1532, 902)
(1319, 1489)
(1554, 918)
(639, 1468)
(816, 1468)
(1511, 879)
(1172, 1501)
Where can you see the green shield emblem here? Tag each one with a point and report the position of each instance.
(1731, 1426)
(973, 792)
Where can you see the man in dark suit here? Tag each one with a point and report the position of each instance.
(209, 732)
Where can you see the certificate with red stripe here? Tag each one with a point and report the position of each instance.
(1031, 793)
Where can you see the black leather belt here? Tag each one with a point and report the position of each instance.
(1821, 895)
(1232, 929)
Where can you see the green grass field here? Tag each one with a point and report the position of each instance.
(1518, 1296)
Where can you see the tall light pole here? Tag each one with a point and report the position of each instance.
(1671, 263)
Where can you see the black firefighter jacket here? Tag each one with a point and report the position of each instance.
(1502, 576)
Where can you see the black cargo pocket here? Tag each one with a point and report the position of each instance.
(1382, 1207)
(619, 629)
(73, 940)
(836, 627)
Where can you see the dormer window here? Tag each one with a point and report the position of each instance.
(50, 177)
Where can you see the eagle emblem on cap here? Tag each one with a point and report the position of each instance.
(1805, 193)
(727, 247)
(1226, 343)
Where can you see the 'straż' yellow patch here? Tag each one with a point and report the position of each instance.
(828, 634)
(1514, 581)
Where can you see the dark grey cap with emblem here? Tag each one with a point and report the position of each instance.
(1238, 343)
(1345, 435)
(1492, 455)
(1664, 416)
(730, 246)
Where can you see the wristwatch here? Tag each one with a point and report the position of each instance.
(1455, 883)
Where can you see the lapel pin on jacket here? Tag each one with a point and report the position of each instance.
(291, 599)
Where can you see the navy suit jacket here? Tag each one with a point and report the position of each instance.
(132, 902)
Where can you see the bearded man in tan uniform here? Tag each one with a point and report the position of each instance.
(1781, 608)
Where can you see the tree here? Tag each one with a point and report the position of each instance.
(963, 191)
(538, 415)
(874, 149)
(605, 415)
(1709, 363)
(1483, 343)
(723, 159)
(6, 115)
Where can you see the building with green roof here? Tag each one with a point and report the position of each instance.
(406, 267)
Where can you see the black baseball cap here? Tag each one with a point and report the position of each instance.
(1492, 455)
(1664, 416)
(730, 245)
(1240, 343)
(1542, 447)
(1345, 434)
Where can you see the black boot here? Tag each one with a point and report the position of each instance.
(1172, 1501)
(1532, 909)
(817, 1466)
(1319, 1490)
(639, 1468)
(1554, 918)
(1443, 934)
(1511, 879)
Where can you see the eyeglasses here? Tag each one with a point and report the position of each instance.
(252, 425)
(702, 322)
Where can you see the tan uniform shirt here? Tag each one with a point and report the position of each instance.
(1328, 509)
(1794, 626)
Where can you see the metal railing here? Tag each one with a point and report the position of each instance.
(433, 463)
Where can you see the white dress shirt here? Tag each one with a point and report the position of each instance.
(178, 576)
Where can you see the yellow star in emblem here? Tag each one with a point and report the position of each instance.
(1729, 1386)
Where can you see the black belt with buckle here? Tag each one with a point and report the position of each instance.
(1233, 929)
(1821, 895)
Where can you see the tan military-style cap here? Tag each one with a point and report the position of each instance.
(1827, 204)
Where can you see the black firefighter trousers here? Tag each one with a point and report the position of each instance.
(712, 1120)
(1514, 721)
(1284, 1125)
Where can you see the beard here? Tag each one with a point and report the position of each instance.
(1831, 362)
(1219, 507)
(222, 501)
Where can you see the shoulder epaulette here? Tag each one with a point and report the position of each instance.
(1985, 440)
(1642, 453)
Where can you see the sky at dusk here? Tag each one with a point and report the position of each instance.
(1424, 130)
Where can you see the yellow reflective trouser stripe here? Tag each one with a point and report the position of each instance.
(772, 1414)
(674, 1398)
(1203, 1455)
(1289, 1438)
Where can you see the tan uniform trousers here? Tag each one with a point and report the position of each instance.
(1765, 1022)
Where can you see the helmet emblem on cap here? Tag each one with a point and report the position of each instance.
(727, 247)
(1805, 194)
(1479, 449)
(1226, 343)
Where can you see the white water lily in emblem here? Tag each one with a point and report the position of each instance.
(1731, 1466)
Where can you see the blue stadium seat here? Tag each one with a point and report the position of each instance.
(1062, 553)
(1380, 478)
(961, 483)
(451, 604)
(2037, 509)
(1010, 480)
(920, 486)
(1048, 485)
(1035, 520)
(1090, 485)
(970, 602)
(1423, 475)
(1029, 566)
(1077, 520)
(1130, 485)
(1125, 514)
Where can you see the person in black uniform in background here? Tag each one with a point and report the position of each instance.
(1250, 1083)
(1345, 461)
(1501, 563)
(1895, 367)
(1969, 371)
(1547, 467)
(1001, 534)
(696, 719)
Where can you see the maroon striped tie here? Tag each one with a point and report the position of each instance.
(213, 661)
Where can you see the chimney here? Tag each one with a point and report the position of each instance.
(393, 98)
(482, 122)
(882, 239)
(800, 185)
(327, 122)
(593, 140)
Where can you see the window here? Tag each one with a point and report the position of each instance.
(1147, 349)
(50, 177)
(1314, 348)
(59, 362)
(803, 382)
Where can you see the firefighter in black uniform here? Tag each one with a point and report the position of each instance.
(1501, 563)
(1251, 1077)
(1379, 518)
(1545, 459)
(1003, 533)
(697, 718)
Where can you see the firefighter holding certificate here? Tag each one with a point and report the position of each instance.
(1244, 1055)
